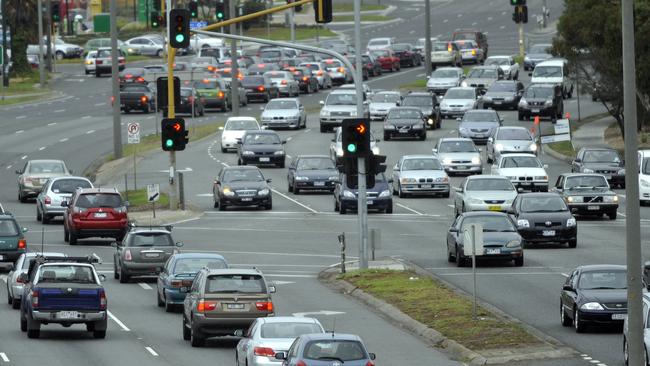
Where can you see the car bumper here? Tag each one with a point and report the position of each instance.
(174, 296)
(469, 58)
(314, 185)
(229, 144)
(378, 116)
(496, 104)
(504, 253)
(51, 210)
(603, 317)
(478, 139)
(644, 193)
(410, 132)
(424, 189)
(108, 68)
(264, 361)
(219, 326)
(281, 123)
(100, 229)
(592, 209)
(541, 111)
(83, 316)
(456, 112)
(30, 191)
(373, 204)
(246, 201)
(488, 207)
(142, 269)
(214, 102)
(463, 168)
(255, 95)
(439, 89)
(331, 122)
(442, 60)
(338, 77)
(549, 234)
(263, 159)
(10, 255)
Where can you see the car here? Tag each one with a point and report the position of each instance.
(372, 65)
(445, 53)
(241, 186)
(261, 147)
(217, 53)
(260, 87)
(268, 336)
(544, 217)
(273, 55)
(378, 197)
(55, 191)
(380, 43)
(507, 64)
(13, 243)
(420, 45)
(285, 83)
(594, 295)
(94, 212)
(509, 139)
(104, 59)
(646, 326)
(214, 93)
(428, 104)
(327, 349)
(35, 173)
(234, 130)
(155, 69)
(587, 194)
(543, 100)
(89, 62)
(556, 72)
(382, 102)
(537, 53)
(222, 301)
(484, 193)
(146, 46)
(459, 155)
(336, 145)
(501, 241)
(470, 52)
(307, 82)
(225, 74)
(444, 78)
(367, 92)
(137, 97)
(601, 160)
(284, 113)
(405, 122)
(387, 58)
(407, 55)
(15, 282)
(339, 73)
(190, 103)
(420, 175)
(503, 94)
(132, 75)
(311, 173)
(62, 50)
(95, 43)
(339, 105)
(525, 171)
(479, 125)
(319, 71)
(644, 177)
(261, 68)
(458, 100)
(199, 41)
(474, 35)
(482, 77)
(204, 61)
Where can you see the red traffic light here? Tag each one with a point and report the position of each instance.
(176, 126)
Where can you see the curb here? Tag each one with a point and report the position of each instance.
(388, 10)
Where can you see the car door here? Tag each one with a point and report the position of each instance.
(192, 297)
(397, 172)
(162, 276)
(245, 343)
(460, 194)
(569, 295)
(452, 236)
(291, 173)
(576, 164)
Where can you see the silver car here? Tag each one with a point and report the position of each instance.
(267, 336)
(484, 193)
(508, 64)
(513, 139)
(525, 171)
(445, 53)
(54, 192)
(482, 77)
(382, 102)
(459, 155)
(285, 82)
(14, 283)
(35, 173)
(459, 100)
(151, 46)
(338, 72)
(284, 113)
(420, 175)
(321, 74)
(444, 78)
(340, 105)
(89, 62)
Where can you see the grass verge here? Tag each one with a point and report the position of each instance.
(417, 84)
(342, 8)
(614, 138)
(24, 84)
(440, 308)
(364, 18)
(284, 34)
(80, 61)
(138, 200)
(25, 99)
(563, 147)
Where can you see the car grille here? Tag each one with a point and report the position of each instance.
(246, 193)
(426, 180)
(524, 178)
(461, 161)
(478, 85)
(606, 171)
(494, 201)
(498, 99)
(615, 305)
(480, 130)
(456, 105)
(536, 104)
(340, 114)
(552, 223)
(263, 153)
(593, 199)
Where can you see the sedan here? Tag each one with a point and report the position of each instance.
(484, 193)
(382, 102)
(407, 56)
(544, 218)
(459, 155)
(339, 73)
(268, 336)
(234, 130)
(259, 87)
(420, 175)
(510, 140)
(500, 239)
(89, 62)
(482, 77)
(306, 81)
(261, 147)
(428, 104)
(318, 70)
(594, 295)
(405, 122)
(470, 51)
(149, 46)
(503, 94)
(479, 125)
(55, 191)
(372, 65)
(15, 283)
(132, 75)
(35, 173)
(508, 64)
(214, 93)
(588, 194)
(525, 171)
(190, 103)
(242, 186)
(388, 60)
(444, 78)
(312, 172)
(601, 160)
(458, 100)
(284, 113)
(285, 83)
(326, 349)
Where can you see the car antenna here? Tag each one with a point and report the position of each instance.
(333, 326)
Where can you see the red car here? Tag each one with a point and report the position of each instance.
(94, 212)
(387, 59)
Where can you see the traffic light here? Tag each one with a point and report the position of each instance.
(351, 171)
(154, 19)
(376, 165)
(517, 2)
(55, 12)
(194, 9)
(323, 11)
(179, 29)
(220, 11)
(174, 134)
(355, 138)
(162, 93)
(520, 15)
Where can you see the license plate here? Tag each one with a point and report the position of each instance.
(548, 233)
(492, 251)
(494, 208)
(534, 110)
(497, 102)
(403, 131)
(319, 184)
(370, 202)
(619, 316)
(2, 257)
(235, 306)
(593, 208)
(265, 160)
(463, 167)
(426, 186)
(247, 199)
(67, 315)
(151, 255)
(100, 215)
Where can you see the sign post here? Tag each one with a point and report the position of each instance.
(473, 245)
(133, 133)
(153, 195)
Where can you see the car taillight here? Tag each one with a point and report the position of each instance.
(264, 351)
(98, 62)
(102, 300)
(78, 209)
(304, 78)
(319, 73)
(127, 255)
(204, 305)
(370, 363)
(474, 52)
(301, 363)
(260, 88)
(35, 299)
(121, 61)
(284, 82)
(220, 94)
(140, 79)
(27, 180)
(47, 200)
(144, 99)
(19, 279)
(22, 243)
(264, 306)
(128, 76)
(121, 209)
(341, 69)
(176, 283)
(112, 99)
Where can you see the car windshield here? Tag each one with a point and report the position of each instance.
(135, 88)
(281, 104)
(421, 164)
(378, 42)
(342, 99)
(601, 156)
(646, 166)
(206, 84)
(235, 283)
(129, 73)
(401, 47)
(481, 116)
(547, 72)
(334, 350)
(456, 146)
(203, 60)
(46, 167)
(242, 175)
(443, 74)
(262, 139)
(520, 162)
(380, 53)
(404, 113)
(252, 81)
(241, 125)
(154, 69)
(418, 101)
(539, 48)
(586, 181)
(315, 164)
(497, 61)
(464, 45)
(440, 46)
(109, 200)
(543, 204)
(460, 94)
(224, 72)
(271, 54)
(69, 185)
(386, 98)
(490, 223)
(502, 87)
(153, 239)
(313, 67)
(8, 228)
(483, 74)
(332, 63)
(288, 330)
(603, 280)
(193, 265)
(489, 184)
(539, 92)
(513, 134)
(66, 273)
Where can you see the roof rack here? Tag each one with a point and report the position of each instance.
(90, 259)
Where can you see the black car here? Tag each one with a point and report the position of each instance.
(306, 81)
(544, 218)
(500, 238)
(190, 103)
(600, 160)
(407, 55)
(503, 94)
(261, 147)
(137, 97)
(428, 104)
(544, 100)
(587, 194)
(132, 75)
(242, 186)
(536, 54)
(259, 87)
(312, 172)
(405, 122)
(378, 197)
(594, 295)
(371, 64)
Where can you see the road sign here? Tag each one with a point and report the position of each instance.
(473, 240)
(556, 138)
(133, 130)
(562, 126)
(198, 24)
(153, 192)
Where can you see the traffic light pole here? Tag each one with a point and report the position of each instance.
(171, 110)
(234, 67)
(117, 128)
(427, 37)
(41, 65)
(521, 39)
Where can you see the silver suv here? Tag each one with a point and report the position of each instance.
(340, 105)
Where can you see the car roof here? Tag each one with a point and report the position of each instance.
(312, 156)
(286, 99)
(499, 56)
(464, 88)
(68, 177)
(527, 155)
(594, 148)
(455, 139)
(600, 267)
(234, 271)
(198, 255)
(140, 230)
(567, 175)
(98, 190)
(241, 167)
(484, 213)
(241, 118)
(46, 161)
(551, 63)
(287, 319)
(540, 194)
(419, 94)
(487, 176)
(644, 153)
(419, 156)
(343, 91)
(262, 132)
(512, 128)
(334, 336)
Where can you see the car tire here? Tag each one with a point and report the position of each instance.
(612, 215)
(342, 209)
(389, 209)
(21, 198)
(400, 194)
(124, 278)
(45, 219)
(573, 243)
(336, 206)
(159, 301)
(115, 274)
(23, 321)
(445, 195)
(196, 338)
(72, 237)
(281, 165)
(578, 324)
(169, 308)
(519, 262)
(423, 136)
(215, 204)
(99, 334)
(386, 137)
(224, 150)
(66, 234)
(450, 257)
(10, 299)
(323, 129)
(187, 334)
(222, 206)
(33, 328)
(520, 116)
(39, 217)
(159, 53)
(15, 303)
(564, 320)
(460, 262)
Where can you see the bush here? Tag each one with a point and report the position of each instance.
(133, 27)
(253, 7)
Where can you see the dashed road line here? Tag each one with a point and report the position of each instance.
(21, 117)
(150, 350)
(51, 123)
(100, 104)
(86, 117)
(118, 321)
(89, 132)
(9, 167)
(41, 148)
(3, 278)
(564, 274)
(63, 139)
(409, 209)
(23, 157)
(144, 285)
(20, 131)
(59, 111)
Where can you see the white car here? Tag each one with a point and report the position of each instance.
(320, 72)
(506, 63)
(340, 105)
(420, 175)
(366, 89)
(382, 102)
(646, 331)
(459, 100)
(525, 171)
(459, 155)
(444, 78)
(199, 41)
(336, 147)
(89, 62)
(284, 113)
(510, 139)
(380, 43)
(234, 129)
(644, 176)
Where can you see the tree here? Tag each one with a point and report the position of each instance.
(22, 19)
(589, 37)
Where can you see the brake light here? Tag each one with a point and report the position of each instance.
(320, 73)
(144, 99)
(261, 65)
(370, 363)
(35, 299)
(121, 61)
(127, 255)
(22, 243)
(102, 300)
(264, 306)
(264, 351)
(176, 283)
(220, 94)
(210, 68)
(260, 88)
(301, 363)
(329, 61)
(204, 305)
(127, 76)
(140, 79)
(98, 62)
(112, 99)
(47, 200)
(240, 76)
(19, 280)
(284, 82)
(304, 78)
(341, 69)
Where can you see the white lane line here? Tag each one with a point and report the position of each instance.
(594, 361)
(3, 278)
(4, 357)
(489, 18)
(63, 139)
(23, 157)
(502, 27)
(51, 123)
(153, 353)
(294, 201)
(460, 15)
(410, 209)
(622, 214)
(144, 285)
(564, 274)
(445, 20)
(452, 206)
(89, 132)
(411, 32)
(59, 111)
(85, 117)
(499, 273)
(307, 130)
(116, 320)
(9, 167)
(41, 148)
(289, 138)
(20, 131)
(21, 117)
(473, 24)
(100, 104)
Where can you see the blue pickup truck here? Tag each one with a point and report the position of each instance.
(65, 291)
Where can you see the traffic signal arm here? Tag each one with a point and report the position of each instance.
(256, 15)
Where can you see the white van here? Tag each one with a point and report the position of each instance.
(644, 176)
(553, 71)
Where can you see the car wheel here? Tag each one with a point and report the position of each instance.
(33, 328)
(400, 193)
(386, 137)
(196, 338)
(626, 352)
(66, 234)
(578, 324)
(99, 334)
(187, 334)
(159, 53)
(72, 237)
(10, 299)
(45, 219)
(389, 209)
(124, 278)
(15, 303)
(21, 198)
(169, 308)
(573, 243)
(460, 262)
(520, 116)
(23, 321)
(222, 206)
(612, 215)
(519, 262)
(445, 195)
(159, 301)
(336, 206)
(115, 274)
(563, 318)
(450, 257)
(323, 129)
(342, 209)
(269, 206)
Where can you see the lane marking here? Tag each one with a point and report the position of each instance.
(23, 157)
(20, 131)
(3, 278)
(9, 167)
(621, 214)
(59, 111)
(63, 139)
(41, 148)
(21, 117)
(116, 320)
(498, 273)
(100, 104)
(51, 123)
(294, 201)
(4, 357)
(153, 353)
(144, 285)
(564, 274)
(86, 117)
(408, 208)
(89, 132)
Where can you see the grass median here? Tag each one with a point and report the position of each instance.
(284, 34)
(129, 58)
(364, 18)
(440, 308)
(343, 8)
(138, 200)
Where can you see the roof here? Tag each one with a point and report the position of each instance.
(467, 88)
(98, 190)
(285, 99)
(644, 153)
(483, 213)
(598, 148)
(312, 156)
(241, 167)
(46, 254)
(241, 118)
(153, 229)
(288, 319)
(600, 267)
(47, 161)
(456, 139)
(524, 154)
(487, 176)
(262, 132)
(68, 177)
(512, 128)
(328, 336)
(567, 175)
(418, 94)
(240, 271)
(551, 63)
(540, 194)
(198, 255)
(420, 156)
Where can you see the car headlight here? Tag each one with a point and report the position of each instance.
(301, 179)
(462, 130)
(353, 113)
(375, 150)
(227, 192)
(533, 147)
(442, 180)
(526, 59)
(248, 152)
(385, 193)
(293, 118)
(349, 194)
(621, 172)
(407, 180)
(498, 147)
(446, 161)
(430, 121)
(571, 222)
(509, 99)
(324, 113)
(508, 201)
(263, 192)
(476, 160)
(587, 170)
(549, 102)
(444, 105)
(541, 177)
(334, 177)
(469, 104)
(575, 199)
(523, 103)
(610, 199)
(474, 201)
(591, 306)
(418, 126)
(279, 152)
(644, 183)
(513, 244)
(463, 84)
(389, 127)
(523, 223)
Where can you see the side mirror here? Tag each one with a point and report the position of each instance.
(322, 102)
(102, 277)
(115, 244)
(365, 102)
(71, 171)
(530, 74)
(221, 128)
(272, 289)
(567, 288)
(239, 333)
(284, 142)
(434, 150)
(577, 160)
(390, 180)
(333, 140)
(396, 167)
(18, 171)
(238, 141)
(453, 229)
(372, 355)
(490, 140)
(23, 278)
(281, 356)
(428, 77)
(179, 244)
(269, 180)
(520, 189)
(24, 230)
(262, 109)
(458, 189)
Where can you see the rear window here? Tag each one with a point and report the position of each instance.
(193, 265)
(288, 330)
(66, 273)
(46, 167)
(513, 134)
(135, 88)
(252, 81)
(89, 200)
(8, 227)
(334, 349)
(69, 185)
(150, 240)
(235, 283)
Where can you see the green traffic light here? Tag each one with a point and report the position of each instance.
(352, 148)
(220, 15)
(169, 143)
(180, 38)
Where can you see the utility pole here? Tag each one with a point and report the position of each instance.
(41, 66)
(48, 39)
(269, 5)
(171, 107)
(234, 69)
(521, 39)
(632, 223)
(427, 35)
(117, 129)
(362, 206)
(292, 14)
(5, 62)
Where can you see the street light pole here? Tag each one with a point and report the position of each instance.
(427, 39)
(41, 66)
(362, 207)
(234, 67)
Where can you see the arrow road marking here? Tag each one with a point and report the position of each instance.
(4, 357)
(144, 286)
